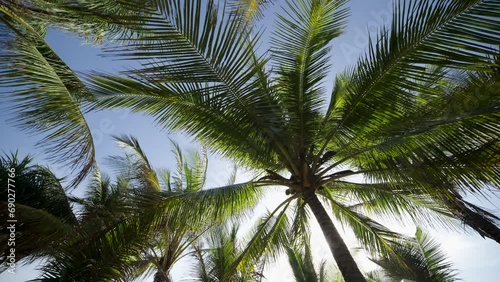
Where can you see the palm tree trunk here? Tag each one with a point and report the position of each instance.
(160, 276)
(343, 258)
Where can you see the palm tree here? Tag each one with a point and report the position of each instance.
(138, 224)
(385, 119)
(98, 244)
(422, 261)
(122, 230)
(176, 234)
(216, 256)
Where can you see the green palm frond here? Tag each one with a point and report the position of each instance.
(444, 208)
(43, 212)
(134, 165)
(404, 113)
(248, 11)
(446, 33)
(300, 222)
(268, 240)
(105, 202)
(216, 257)
(191, 109)
(406, 204)
(191, 171)
(45, 94)
(299, 52)
(209, 69)
(426, 141)
(107, 257)
(38, 186)
(423, 261)
(39, 235)
(93, 20)
(208, 205)
(185, 194)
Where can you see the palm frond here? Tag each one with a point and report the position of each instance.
(38, 187)
(217, 257)
(107, 257)
(445, 33)
(301, 262)
(299, 52)
(214, 205)
(404, 203)
(190, 109)
(270, 238)
(105, 202)
(135, 164)
(423, 261)
(38, 233)
(373, 236)
(300, 223)
(43, 215)
(45, 94)
(458, 142)
(249, 11)
(202, 60)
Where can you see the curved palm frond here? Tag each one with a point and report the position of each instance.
(201, 63)
(423, 261)
(248, 11)
(134, 165)
(216, 257)
(406, 204)
(425, 141)
(107, 257)
(43, 216)
(439, 33)
(299, 52)
(45, 93)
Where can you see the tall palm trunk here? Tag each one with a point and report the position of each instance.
(343, 258)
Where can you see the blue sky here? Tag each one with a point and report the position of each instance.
(476, 259)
